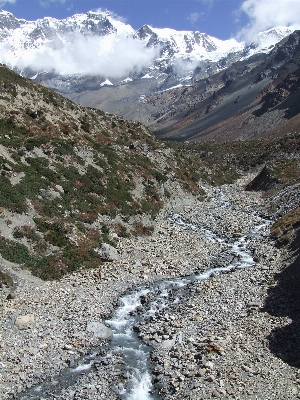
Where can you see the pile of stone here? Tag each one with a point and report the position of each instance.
(213, 343)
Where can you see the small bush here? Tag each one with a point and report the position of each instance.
(14, 251)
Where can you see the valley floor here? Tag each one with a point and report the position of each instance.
(230, 336)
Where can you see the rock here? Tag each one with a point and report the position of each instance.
(211, 378)
(215, 347)
(59, 188)
(6, 279)
(254, 303)
(248, 369)
(25, 321)
(33, 350)
(67, 347)
(107, 252)
(167, 344)
(99, 330)
(209, 365)
(113, 236)
(7, 167)
(11, 296)
(49, 194)
(71, 363)
(201, 372)
(160, 385)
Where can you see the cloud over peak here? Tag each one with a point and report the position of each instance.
(47, 3)
(114, 56)
(194, 17)
(267, 14)
(3, 2)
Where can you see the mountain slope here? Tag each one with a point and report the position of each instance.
(250, 99)
(73, 177)
(92, 57)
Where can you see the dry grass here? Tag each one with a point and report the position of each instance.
(285, 228)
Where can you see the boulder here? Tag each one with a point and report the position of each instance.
(25, 321)
(7, 167)
(59, 188)
(99, 330)
(49, 194)
(107, 252)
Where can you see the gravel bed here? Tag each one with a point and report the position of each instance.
(213, 343)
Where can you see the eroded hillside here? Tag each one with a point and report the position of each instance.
(73, 177)
(252, 99)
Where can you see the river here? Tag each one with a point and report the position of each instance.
(140, 304)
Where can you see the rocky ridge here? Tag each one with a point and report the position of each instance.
(251, 99)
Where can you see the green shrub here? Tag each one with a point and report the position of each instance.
(11, 197)
(14, 251)
(56, 235)
(85, 125)
(36, 141)
(63, 147)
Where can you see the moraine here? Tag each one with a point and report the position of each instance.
(130, 343)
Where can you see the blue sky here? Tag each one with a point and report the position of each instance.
(220, 18)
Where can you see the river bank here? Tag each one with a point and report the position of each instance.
(212, 343)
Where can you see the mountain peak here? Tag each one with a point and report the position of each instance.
(265, 41)
(97, 43)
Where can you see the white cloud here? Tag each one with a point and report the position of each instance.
(266, 14)
(194, 17)
(47, 3)
(113, 56)
(207, 3)
(3, 2)
(182, 67)
(112, 14)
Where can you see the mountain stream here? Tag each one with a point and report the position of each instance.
(137, 384)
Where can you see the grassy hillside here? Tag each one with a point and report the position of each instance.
(80, 175)
(73, 177)
(279, 160)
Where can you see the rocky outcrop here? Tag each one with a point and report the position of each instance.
(263, 181)
(107, 252)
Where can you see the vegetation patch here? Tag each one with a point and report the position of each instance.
(285, 227)
(14, 251)
(6, 279)
(74, 165)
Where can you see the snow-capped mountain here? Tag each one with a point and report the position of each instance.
(186, 44)
(96, 52)
(81, 44)
(55, 45)
(265, 41)
(21, 34)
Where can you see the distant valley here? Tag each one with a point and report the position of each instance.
(182, 84)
